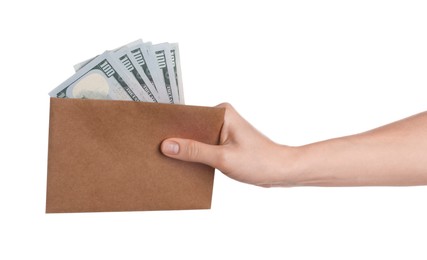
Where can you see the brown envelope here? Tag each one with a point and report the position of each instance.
(104, 156)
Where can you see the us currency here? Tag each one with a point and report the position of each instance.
(150, 93)
(176, 62)
(140, 55)
(101, 78)
(161, 54)
(140, 72)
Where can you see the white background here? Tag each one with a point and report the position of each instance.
(299, 71)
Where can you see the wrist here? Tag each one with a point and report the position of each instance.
(286, 167)
(294, 165)
(297, 164)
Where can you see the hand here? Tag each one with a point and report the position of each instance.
(243, 153)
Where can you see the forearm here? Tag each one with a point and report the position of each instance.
(395, 154)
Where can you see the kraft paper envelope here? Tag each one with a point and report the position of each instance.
(105, 155)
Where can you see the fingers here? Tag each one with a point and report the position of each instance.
(192, 151)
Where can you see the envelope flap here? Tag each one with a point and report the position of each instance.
(104, 156)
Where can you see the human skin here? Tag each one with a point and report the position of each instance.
(391, 155)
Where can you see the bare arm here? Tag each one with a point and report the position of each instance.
(395, 154)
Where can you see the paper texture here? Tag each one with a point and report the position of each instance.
(105, 156)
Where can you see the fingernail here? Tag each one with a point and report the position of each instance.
(170, 147)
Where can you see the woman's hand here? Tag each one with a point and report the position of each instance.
(243, 153)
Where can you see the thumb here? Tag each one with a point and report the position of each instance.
(190, 150)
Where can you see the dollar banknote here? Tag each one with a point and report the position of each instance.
(161, 54)
(137, 73)
(101, 78)
(176, 62)
(140, 54)
(142, 72)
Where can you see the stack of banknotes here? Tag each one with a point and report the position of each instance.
(138, 71)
